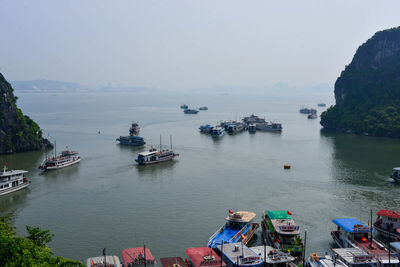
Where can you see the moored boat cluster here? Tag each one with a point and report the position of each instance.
(251, 123)
(283, 245)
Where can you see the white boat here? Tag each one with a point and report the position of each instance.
(273, 256)
(101, 261)
(396, 174)
(11, 181)
(65, 159)
(156, 156)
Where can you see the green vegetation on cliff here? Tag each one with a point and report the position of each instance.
(17, 131)
(367, 92)
(28, 251)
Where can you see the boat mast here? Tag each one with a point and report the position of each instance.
(160, 143)
(55, 148)
(370, 241)
(170, 140)
(144, 254)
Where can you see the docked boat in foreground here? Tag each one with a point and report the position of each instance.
(238, 254)
(239, 227)
(204, 256)
(388, 220)
(11, 181)
(65, 159)
(273, 256)
(352, 233)
(281, 232)
(139, 256)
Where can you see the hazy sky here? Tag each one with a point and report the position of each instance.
(185, 43)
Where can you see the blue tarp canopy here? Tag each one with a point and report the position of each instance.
(351, 225)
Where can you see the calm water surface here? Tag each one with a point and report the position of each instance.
(108, 201)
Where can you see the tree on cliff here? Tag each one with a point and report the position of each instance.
(367, 92)
(17, 131)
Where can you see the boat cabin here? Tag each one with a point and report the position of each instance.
(204, 257)
(350, 230)
(238, 254)
(388, 220)
(240, 217)
(12, 180)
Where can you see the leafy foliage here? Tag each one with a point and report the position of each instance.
(28, 251)
(368, 90)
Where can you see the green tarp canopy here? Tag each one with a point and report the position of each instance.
(278, 214)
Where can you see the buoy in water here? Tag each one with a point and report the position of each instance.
(286, 166)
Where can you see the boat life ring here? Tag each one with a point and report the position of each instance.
(315, 257)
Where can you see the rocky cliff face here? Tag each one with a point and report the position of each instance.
(17, 132)
(367, 92)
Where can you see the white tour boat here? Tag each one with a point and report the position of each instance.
(11, 181)
(65, 159)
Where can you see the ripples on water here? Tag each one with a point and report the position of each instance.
(108, 201)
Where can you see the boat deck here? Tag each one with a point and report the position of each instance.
(376, 249)
(274, 256)
(355, 256)
(172, 262)
(224, 236)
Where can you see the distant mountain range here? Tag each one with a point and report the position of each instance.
(47, 85)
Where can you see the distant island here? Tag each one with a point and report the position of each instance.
(17, 131)
(367, 92)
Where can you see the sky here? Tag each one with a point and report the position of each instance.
(182, 44)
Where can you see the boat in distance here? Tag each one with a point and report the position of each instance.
(131, 140)
(396, 174)
(203, 108)
(269, 126)
(13, 180)
(388, 220)
(218, 131)
(190, 111)
(184, 106)
(155, 156)
(238, 228)
(65, 159)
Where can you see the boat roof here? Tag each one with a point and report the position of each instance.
(389, 213)
(354, 255)
(172, 262)
(130, 254)
(99, 261)
(147, 153)
(273, 255)
(352, 225)
(241, 216)
(396, 169)
(235, 252)
(12, 172)
(278, 214)
(201, 257)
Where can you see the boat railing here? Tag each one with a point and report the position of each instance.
(215, 234)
